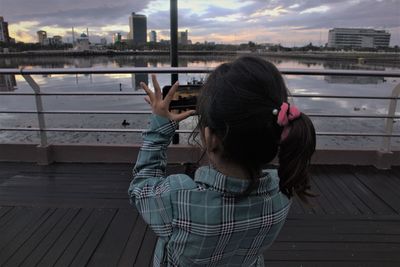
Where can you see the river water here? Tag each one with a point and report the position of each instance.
(318, 85)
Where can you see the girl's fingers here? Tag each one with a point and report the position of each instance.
(147, 99)
(171, 93)
(183, 115)
(156, 85)
(149, 93)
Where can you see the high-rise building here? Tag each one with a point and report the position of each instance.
(117, 38)
(138, 28)
(358, 38)
(42, 35)
(153, 37)
(4, 35)
(183, 37)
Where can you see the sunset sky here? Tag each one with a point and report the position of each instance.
(289, 22)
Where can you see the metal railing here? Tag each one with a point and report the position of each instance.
(42, 129)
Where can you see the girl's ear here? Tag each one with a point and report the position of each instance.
(212, 142)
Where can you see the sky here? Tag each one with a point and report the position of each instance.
(288, 22)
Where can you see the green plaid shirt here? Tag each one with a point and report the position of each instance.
(198, 222)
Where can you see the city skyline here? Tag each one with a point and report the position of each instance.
(289, 22)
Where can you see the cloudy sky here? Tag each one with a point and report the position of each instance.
(289, 22)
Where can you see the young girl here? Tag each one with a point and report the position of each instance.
(232, 210)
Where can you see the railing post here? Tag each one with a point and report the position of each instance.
(390, 121)
(174, 48)
(43, 152)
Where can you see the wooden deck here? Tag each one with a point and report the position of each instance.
(79, 215)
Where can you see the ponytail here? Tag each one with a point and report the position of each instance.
(294, 158)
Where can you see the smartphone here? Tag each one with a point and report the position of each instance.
(185, 97)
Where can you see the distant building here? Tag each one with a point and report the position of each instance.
(4, 35)
(153, 37)
(183, 37)
(138, 28)
(42, 35)
(117, 38)
(103, 41)
(358, 38)
(57, 39)
(82, 43)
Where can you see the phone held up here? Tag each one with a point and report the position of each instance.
(185, 97)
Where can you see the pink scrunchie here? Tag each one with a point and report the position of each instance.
(286, 114)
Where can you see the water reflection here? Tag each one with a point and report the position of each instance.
(139, 77)
(8, 82)
(354, 79)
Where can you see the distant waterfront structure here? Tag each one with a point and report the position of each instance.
(138, 28)
(103, 41)
(55, 40)
(153, 37)
(183, 37)
(82, 43)
(4, 35)
(117, 38)
(42, 35)
(358, 38)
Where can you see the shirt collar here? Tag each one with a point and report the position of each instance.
(268, 183)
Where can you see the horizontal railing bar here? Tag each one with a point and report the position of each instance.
(33, 129)
(129, 70)
(142, 94)
(148, 112)
(111, 112)
(76, 94)
(97, 130)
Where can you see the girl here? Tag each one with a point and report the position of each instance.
(232, 210)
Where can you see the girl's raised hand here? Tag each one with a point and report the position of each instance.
(160, 106)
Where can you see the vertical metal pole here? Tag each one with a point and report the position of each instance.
(389, 121)
(39, 109)
(174, 37)
(174, 47)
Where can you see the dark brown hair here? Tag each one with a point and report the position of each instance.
(236, 103)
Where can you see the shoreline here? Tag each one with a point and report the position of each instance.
(365, 57)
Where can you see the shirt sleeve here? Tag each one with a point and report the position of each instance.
(150, 189)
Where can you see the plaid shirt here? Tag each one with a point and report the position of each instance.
(198, 222)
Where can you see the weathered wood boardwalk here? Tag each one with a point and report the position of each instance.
(79, 215)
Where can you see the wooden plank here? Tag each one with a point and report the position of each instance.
(146, 252)
(134, 243)
(34, 240)
(20, 222)
(335, 205)
(338, 194)
(4, 210)
(364, 194)
(23, 236)
(110, 249)
(10, 216)
(324, 206)
(338, 177)
(376, 183)
(50, 239)
(78, 242)
(93, 240)
(71, 232)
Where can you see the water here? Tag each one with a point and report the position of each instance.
(367, 86)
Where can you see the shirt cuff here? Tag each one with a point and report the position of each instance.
(163, 125)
